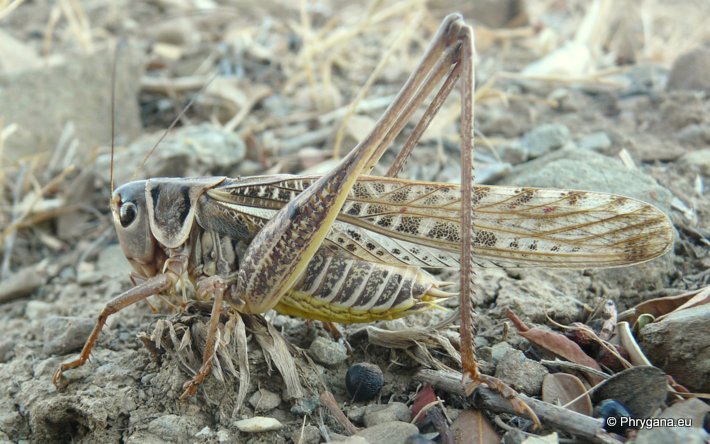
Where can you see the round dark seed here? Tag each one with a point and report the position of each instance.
(364, 381)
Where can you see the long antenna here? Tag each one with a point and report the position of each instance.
(175, 121)
(120, 44)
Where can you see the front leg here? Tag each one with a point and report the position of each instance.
(152, 286)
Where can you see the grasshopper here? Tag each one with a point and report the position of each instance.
(350, 247)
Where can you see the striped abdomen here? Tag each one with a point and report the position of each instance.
(341, 289)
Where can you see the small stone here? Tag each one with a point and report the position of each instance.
(264, 400)
(513, 152)
(38, 310)
(680, 345)
(7, 350)
(205, 433)
(685, 435)
(258, 424)
(308, 435)
(697, 161)
(521, 373)
(394, 432)
(351, 440)
(112, 262)
(305, 406)
(381, 413)
(545, 138)
(596, 141)
(356, 413)
(64, 335)
(327, 352)
(499, 350)
(689, 71)
(694, 135)
(173, 427)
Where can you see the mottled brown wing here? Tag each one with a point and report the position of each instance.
(397, 221)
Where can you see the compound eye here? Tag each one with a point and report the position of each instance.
(127, 214)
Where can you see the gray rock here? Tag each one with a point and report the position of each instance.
(680, 345)
(695, 135)
(327, 352)
(586, 170)
(697, 161)
(199, 150)
(595, 141)
(513, 152)
(380, 413)
(689, 71)
(258, 424)
(499, 350)
(264, 400)
(174, 427)
(349, 440)
(545, 138)
(308, 435)
(497, 13)
(64, 335)
(356, 413)
(672, 435)
(37, 310)
(113, 263)
(42, 101)
(394, 432)
(305, 406)
(521, 373)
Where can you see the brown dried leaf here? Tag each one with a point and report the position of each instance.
(472, 427)
(561, 388)
(656, 307)
(555, 343)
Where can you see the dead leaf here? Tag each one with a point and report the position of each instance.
(557, 344)
(640, 389)
(561, 388)
(472, 427)
(657, 307)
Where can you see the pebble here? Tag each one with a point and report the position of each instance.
(351, 440)
(545, 138)
(698, 161)
(689, 71)
(264, 400)
(499, 350)
(327, 352)
(393, 432)
(64, 335)
(685, 435)
(381, 413)
(258, 424)
(598, 141)
(684, 356)
(305, 406)
(173, 427)
(521, 373)
(38, 310)
(308, 435)
(694, 135)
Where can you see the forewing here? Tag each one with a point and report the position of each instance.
(406, 222)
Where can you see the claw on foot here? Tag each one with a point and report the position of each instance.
(520, 406)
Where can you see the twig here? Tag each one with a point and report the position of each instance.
(574, 366)
(552, 415)
(327, 399)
